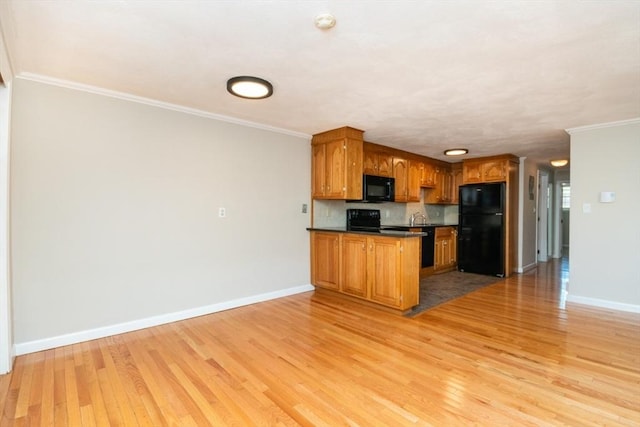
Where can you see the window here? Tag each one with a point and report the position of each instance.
(566, 196)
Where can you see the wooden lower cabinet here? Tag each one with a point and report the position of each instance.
(384, 270)
(446, 249)
(380, 269)
(354, 265)
(325, 255)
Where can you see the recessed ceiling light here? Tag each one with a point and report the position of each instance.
(559, 163)
(249, 87)
(456, 152)
(324, 21)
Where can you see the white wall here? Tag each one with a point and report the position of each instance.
(605, 258)
(527, 217)
(115, 213)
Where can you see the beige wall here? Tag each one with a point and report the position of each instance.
(115, 211)
(605, 259)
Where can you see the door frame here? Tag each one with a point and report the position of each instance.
(542, 223)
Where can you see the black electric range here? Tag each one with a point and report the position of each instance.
(363, 220)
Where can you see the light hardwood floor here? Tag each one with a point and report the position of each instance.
(508, 354)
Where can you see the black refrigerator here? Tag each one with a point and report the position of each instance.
(481, 229)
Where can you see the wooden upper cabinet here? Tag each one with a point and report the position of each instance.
(495, 170)
(377, 162)
(337, 164)
(489, 169)
(442, 192)
(318, 164)
(413, 184)
(427, 174)
(472, 172)
(401, 175)
(407, 180)
(456, 173)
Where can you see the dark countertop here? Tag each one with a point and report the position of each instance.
(418, 225)
(390, 233)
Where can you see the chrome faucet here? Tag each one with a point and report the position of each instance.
(416, 215)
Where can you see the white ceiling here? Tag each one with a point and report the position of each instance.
(493, 76)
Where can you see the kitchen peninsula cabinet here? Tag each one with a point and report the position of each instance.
(385, 269)
(379, 269)
(354, 265)
(336, 165)
(325, 255)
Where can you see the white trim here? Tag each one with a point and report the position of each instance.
(155, 103)
(7, 348)
(571, 131)
(521, 193)
(76, 337)
(527, 268)
(604, 303)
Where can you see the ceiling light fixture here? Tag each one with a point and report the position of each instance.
(456, 152)
(324, 21)
(249, 87)
(559, 163)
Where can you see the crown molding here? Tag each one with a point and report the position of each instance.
(154, 103)
(602, 126)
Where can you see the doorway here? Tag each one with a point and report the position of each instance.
(563, 244)
(543, 218)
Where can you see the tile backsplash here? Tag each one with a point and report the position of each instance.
(333, 213)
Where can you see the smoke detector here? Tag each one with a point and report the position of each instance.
(324, 21)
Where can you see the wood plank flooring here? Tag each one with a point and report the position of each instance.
(508, 354)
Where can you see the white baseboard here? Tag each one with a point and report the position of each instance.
(92, 334)
(603, 303)
(526, 268)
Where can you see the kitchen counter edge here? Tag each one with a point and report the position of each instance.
(389, 233)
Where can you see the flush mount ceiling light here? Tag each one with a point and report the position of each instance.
(324, 21)
(456, 152)
(249, 87)
(559, 163)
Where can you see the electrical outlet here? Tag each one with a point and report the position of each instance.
(304, 208)
(222, 212)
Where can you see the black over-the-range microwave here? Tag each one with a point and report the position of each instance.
(378, 188)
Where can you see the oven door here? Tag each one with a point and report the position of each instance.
(428, 247)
